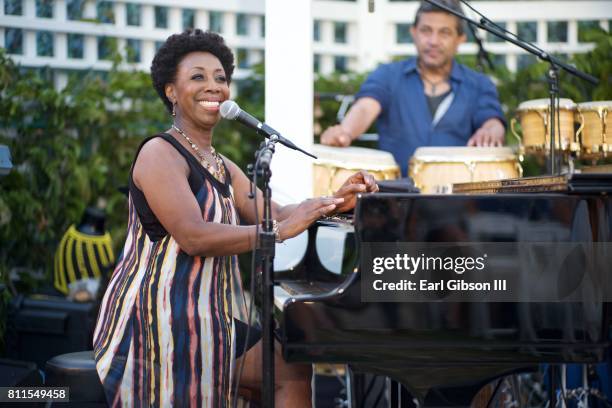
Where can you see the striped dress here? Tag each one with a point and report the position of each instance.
(165, 331)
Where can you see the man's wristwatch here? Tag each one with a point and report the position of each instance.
(276, 231)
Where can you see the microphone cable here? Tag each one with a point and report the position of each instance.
(252, 285)
(482, 53)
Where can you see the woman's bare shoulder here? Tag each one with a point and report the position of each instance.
(158, 156)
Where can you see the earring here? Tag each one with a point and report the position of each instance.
(174, 109)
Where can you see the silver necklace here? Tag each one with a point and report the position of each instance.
(433, 84)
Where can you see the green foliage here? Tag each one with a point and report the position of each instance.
(5, 298)
(73, 148)
(234, 140)
(598, 63)
(531, 82)
(326, 110)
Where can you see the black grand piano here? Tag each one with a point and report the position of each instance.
(429, 347)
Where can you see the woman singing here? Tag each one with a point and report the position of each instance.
(172, 322)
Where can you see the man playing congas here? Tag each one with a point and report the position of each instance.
(430, 100)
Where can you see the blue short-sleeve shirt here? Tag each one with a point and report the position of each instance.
(405, 121)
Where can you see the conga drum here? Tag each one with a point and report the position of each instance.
(335, 164)
(534, 117)
(435, 169)
(596, 134)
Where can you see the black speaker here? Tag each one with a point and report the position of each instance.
(14, 373)
(41, 328)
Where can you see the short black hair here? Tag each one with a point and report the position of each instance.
(427, 7)
(177, 46)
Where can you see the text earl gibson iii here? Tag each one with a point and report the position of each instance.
(450, 284)
(404, 263)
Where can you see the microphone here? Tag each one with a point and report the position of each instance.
(231, 111)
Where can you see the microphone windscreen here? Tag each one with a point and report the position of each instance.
(229, 110)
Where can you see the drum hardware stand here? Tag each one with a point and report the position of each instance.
(552, 75)
(571, 166)
(346, 391)
(552, 385)
(582, 393)
(487, 25)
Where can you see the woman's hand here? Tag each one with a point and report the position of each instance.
(306, 213)
(360, 182)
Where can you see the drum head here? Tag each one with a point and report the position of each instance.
(543, 104)
(451, 154)
(354, 157)
(595, 105)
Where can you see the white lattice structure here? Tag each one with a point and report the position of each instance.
(347, 35)
(372, 37)
(249, 45)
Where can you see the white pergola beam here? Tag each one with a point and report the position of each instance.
(289, 94)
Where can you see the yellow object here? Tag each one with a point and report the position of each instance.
(81, 256)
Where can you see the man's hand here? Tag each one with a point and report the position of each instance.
(360, 182)
(357, 120)
(491, 133)
(336, 136)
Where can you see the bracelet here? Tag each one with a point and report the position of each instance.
(276, 231)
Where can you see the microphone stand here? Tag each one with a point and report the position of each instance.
(553, 77)
(554, 164)
(266, 242)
